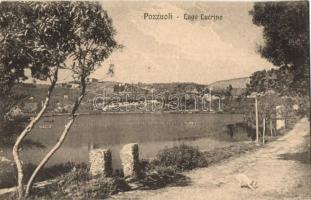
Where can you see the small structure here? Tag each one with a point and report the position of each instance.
(130, 160)
(101, 162)
(280, 120)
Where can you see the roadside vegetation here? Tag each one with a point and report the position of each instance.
(166, 169)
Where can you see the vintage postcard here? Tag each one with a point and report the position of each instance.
(185, 100)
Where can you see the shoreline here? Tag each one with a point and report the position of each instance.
(124, 113)
(214, 157)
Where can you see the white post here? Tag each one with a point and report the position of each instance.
(256, 110)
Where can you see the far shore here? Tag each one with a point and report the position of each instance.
(130, 112)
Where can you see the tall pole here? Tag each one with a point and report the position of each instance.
(210, 102)
(263, 130)
(256, 110)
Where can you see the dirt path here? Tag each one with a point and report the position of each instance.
(280, 170)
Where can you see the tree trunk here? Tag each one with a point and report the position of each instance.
(59, 143)
(20, 138)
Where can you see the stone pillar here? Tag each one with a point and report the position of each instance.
(101, 162)
(129, 155)
(280, 121)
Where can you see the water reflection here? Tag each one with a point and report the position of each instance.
(152, 132)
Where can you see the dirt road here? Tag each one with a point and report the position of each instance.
(282, 171)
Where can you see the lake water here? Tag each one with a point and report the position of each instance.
(153, 132)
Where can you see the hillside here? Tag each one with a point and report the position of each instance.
(239, 83)
(64, 93)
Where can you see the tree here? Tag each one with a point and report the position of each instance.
(286, 34)
(48, 37)
(27, 42)
(228, 91)
(95, 42)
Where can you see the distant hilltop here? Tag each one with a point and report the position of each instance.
(239, 83)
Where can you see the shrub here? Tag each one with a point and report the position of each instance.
(182, 157)
(79, 184)
(7, 173)
(97, 188)
(78, 174)
(159, 176)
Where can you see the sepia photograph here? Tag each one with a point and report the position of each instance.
(155, 100)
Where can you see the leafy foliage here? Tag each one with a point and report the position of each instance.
(286, 31)
(182, 157)
(41, 36)
(274, 80)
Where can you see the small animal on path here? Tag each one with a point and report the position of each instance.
(244, 181)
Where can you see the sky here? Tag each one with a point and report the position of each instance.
(180, 50)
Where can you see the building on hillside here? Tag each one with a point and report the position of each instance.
(74, 86)
(192, 91)
(109, 89)
(91, 80)
(208, 97)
